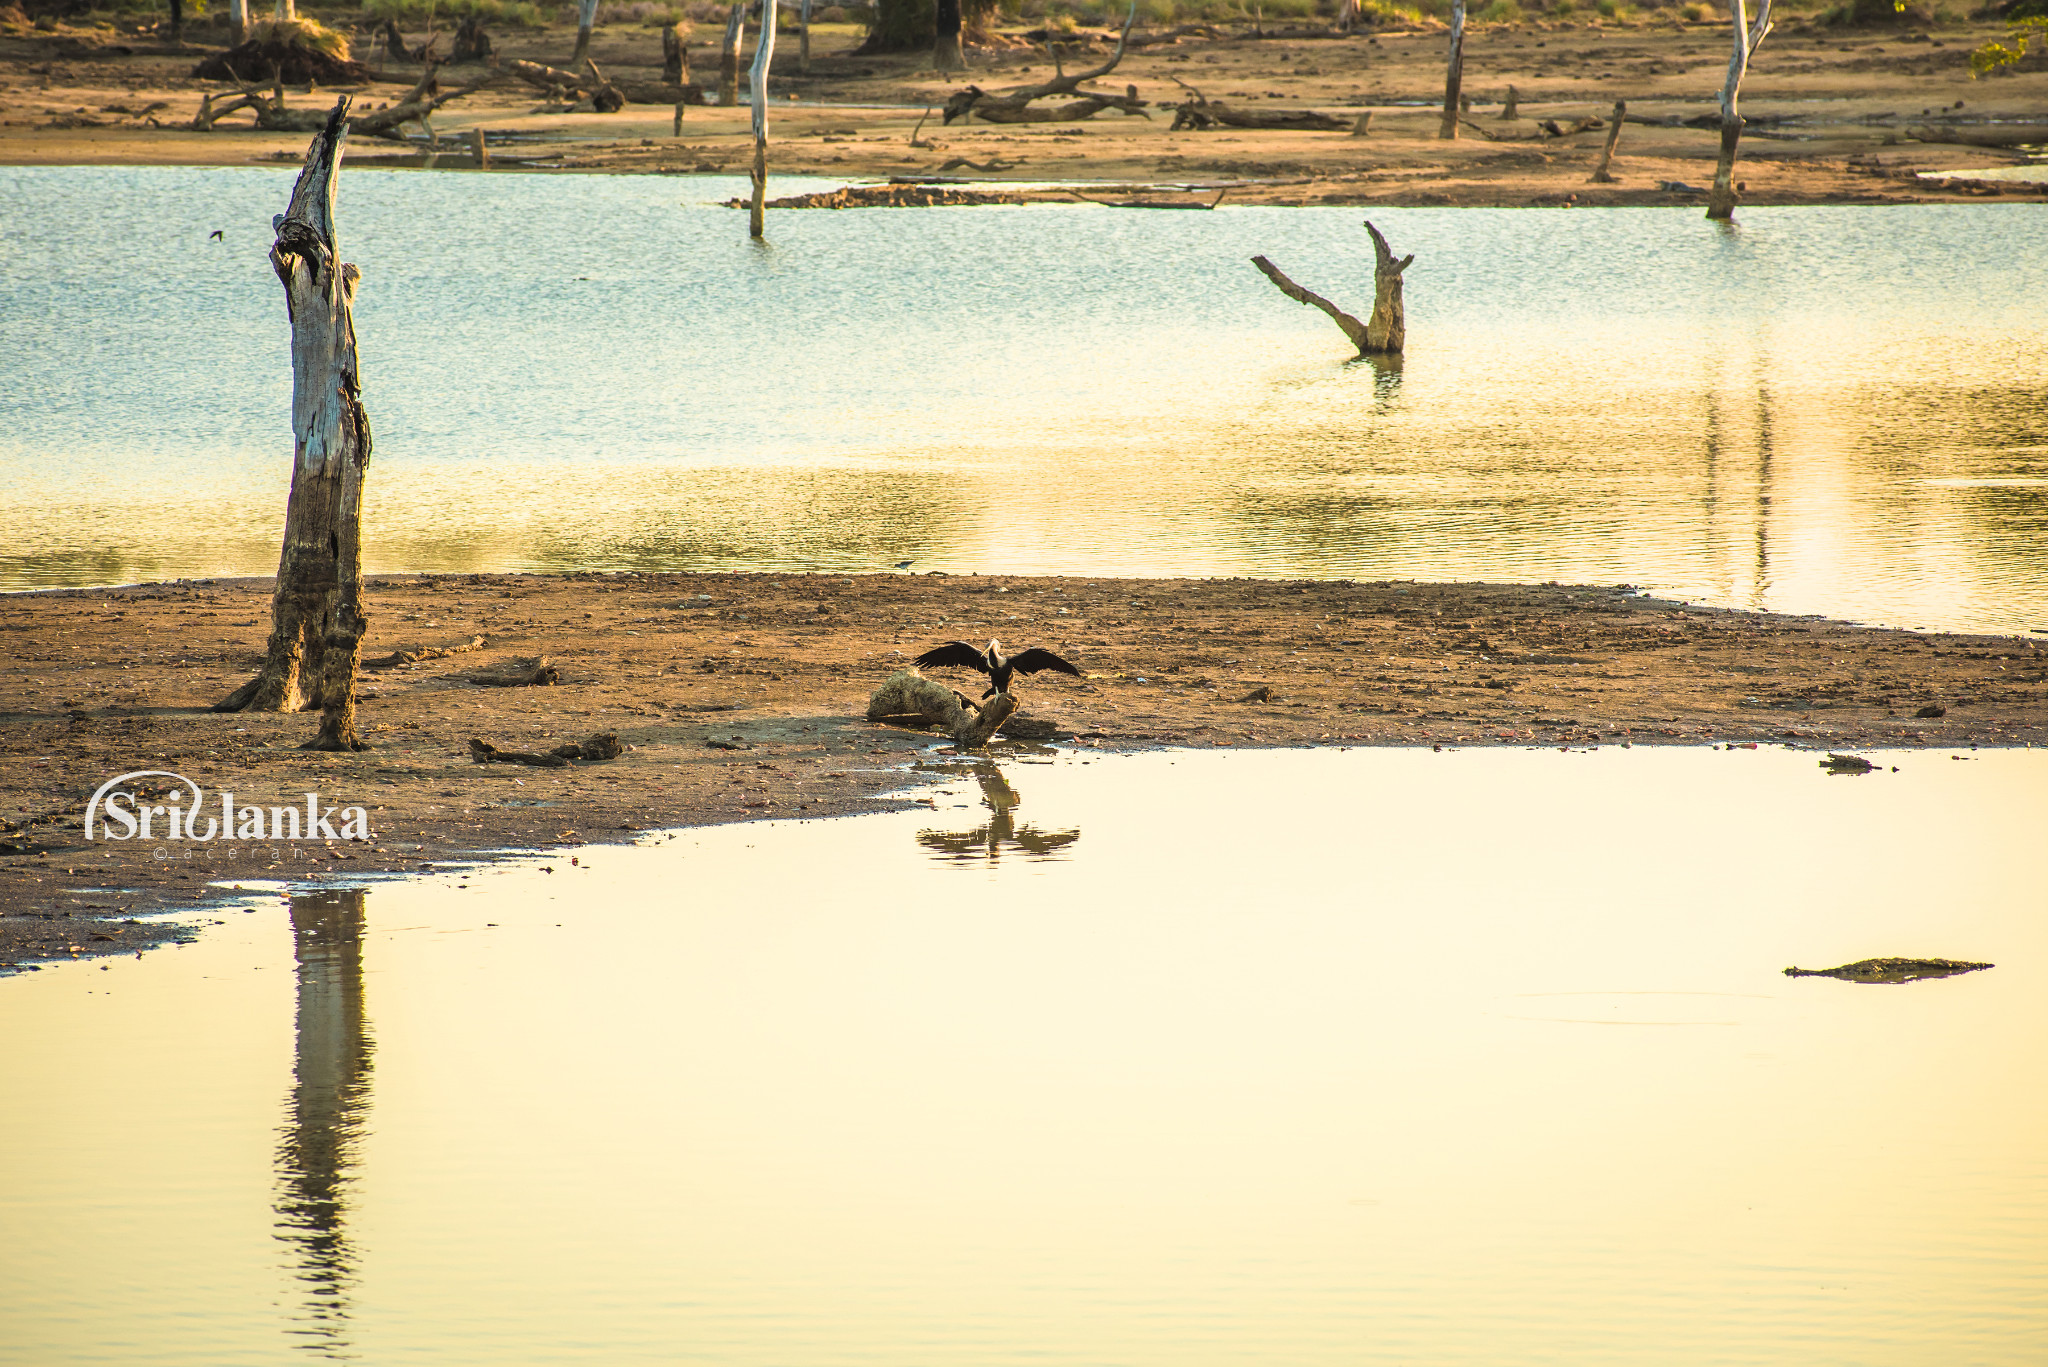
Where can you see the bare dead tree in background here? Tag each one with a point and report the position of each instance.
(1454, 74)
(729, 55)
(316, 610)
(757, 80)
(1721, 199)
(586, 19)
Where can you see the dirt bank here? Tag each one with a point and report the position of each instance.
(741, 697)
(1833, 113)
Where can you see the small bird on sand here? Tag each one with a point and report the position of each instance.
(905, 564)
(994, 663)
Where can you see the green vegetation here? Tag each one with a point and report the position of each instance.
(1996, 56)
(494, 13)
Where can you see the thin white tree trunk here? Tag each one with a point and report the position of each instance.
(287, 9)
(1721, 199)
(1600, 175)
(757, 80)
(803, 38)
(1454, 73)
(729, 56)
(238, 22)
(586, 19)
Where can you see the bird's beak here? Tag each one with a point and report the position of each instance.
(995, 647)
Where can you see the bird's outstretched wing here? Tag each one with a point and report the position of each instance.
(953, 653)
(1037, 658)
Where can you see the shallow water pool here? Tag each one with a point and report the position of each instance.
(1301, 1057)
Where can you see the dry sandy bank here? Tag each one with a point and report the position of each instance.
(113, 681)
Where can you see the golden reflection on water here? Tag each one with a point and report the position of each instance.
(1471, 1058)
(1000, 834)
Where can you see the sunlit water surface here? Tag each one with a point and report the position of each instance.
(1392, 1057)
(1834, 410)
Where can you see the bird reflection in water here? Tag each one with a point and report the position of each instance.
(1000, 832)
(329, 1100)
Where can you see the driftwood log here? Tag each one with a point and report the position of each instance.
(634, 92)
(1600, 175)
(1386, 331)
(411, 657)
(540, 674)
(1014, 106)
(316, 610)
(908, 695)
(1721, 199)
(1200, 112)
(603, 746)
(273, 117)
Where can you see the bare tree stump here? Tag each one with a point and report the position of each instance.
(316, 610)
(1363, 128)
(729, 56)
(1386, 331)
(907, 693)
(1600, 176)
(1510, 110)
(1721, 199)
(1454, 74)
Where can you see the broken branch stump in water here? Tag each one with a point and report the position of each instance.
(541, 674)
(604, 745)
(906, 693)
(1386, 331)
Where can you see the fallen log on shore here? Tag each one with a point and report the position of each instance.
(634, 92)
(909, 695)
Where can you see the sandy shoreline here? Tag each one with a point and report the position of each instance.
(1832, 110)
(742, 697)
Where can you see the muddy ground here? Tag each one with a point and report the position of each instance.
(1833, 112)
(742, 697)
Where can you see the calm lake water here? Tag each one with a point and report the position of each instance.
(1486, 1057)
(1821, 410)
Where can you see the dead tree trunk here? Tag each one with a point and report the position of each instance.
(729, 56)
(946, 54)
(675, 56)
(287, 10)
(1510, 110)
(1010, 106)
(757, 81)
(803, 37)
(909, 696)
(1721, 200)
(1386, 331)
(177, 21)
(1600, 176)
(316, 611)
(1454, 73)
(586, 19)
(238, 22)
